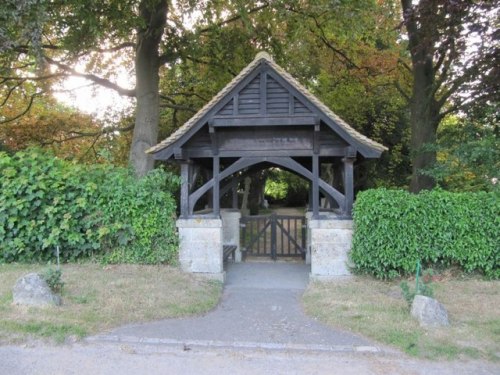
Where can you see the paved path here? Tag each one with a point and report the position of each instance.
(260, 308)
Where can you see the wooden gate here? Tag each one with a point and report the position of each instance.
(273, 235)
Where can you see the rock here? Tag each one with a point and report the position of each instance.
(33, 290)
(429, 312)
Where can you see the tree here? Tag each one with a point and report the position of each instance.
(46, 41)
(454, 64)
(352, 54)
(468, 151)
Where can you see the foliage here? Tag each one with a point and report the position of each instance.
(53, 278)
(425, 289)
(276, 188)
(55, 127)
(84, 209)
(144, 213)
(395, 229)
(468, 150)
(286, 187)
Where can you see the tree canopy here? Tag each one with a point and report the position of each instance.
(393, 70)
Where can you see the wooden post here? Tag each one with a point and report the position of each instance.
(184, 189)
(216, 188)
(315, 186)
(348, 184)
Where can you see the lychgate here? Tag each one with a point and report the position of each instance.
(263, 118)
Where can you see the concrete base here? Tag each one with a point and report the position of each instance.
(213, 276)
(329, 278)
(330, 243)
(231, 230)
(200, 246)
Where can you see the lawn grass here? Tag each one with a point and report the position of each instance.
(97, 298)
(377, 310)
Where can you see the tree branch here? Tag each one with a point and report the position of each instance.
(232, 18)
(103, 131)
(177, 107)
(323, 38)
(225, 67)
(92, 77)
(9, 93)
(189, 94)
(402, 92)
(405, 65)
(167, 58)
(26, 110)
(24, 79)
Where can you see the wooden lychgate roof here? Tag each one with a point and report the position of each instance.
(263, 94)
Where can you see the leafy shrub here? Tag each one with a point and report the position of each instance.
(144, 218)
(53, 278)
(422, 287)
(85, 209)
(394, 229)
(45, 202)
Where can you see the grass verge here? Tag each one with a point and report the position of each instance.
(97, 298)
(377, 310)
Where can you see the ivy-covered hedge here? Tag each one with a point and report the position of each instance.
(86, 210)
(394, 229)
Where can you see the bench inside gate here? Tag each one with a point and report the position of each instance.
(229, 250)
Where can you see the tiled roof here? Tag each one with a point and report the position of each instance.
(292, 81)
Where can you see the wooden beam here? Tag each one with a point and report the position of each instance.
(315, 185)
(185, 189)
(348, 185)
(325, 151)
(193, 175)
(286, 162)
(216, 186)
(263, 93)
(235, 104)
(316, 144)
(179, 154)
(213, 139)
(264, 121)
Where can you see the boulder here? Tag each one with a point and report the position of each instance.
(33, 290)
(429, 312)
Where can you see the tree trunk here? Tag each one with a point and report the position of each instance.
(424, 117)
(424, 121)
(253, 196)
(147, 66)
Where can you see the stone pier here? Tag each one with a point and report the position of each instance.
(200, 246)
(330, 243)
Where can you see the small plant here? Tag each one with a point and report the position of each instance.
(421, 288)
(52, 277)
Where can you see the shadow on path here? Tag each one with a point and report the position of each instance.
(260, 308)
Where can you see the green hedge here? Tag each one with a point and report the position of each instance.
(86, 210)
(394, 229)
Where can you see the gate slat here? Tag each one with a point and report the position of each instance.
(260, 235)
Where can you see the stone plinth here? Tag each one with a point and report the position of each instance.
(330, 243)
(200, 246)
(231, 230)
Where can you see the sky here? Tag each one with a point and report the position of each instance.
(100, 102)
